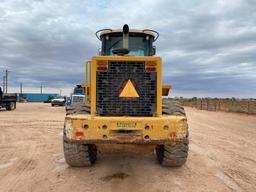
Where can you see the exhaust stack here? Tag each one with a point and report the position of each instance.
(125, 36)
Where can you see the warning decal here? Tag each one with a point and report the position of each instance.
(129, 90)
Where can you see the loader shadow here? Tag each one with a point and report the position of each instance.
(112, 166)
(125, 164)
(123, 171)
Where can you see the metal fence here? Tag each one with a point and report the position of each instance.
(230, 105)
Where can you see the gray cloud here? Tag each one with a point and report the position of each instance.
(208, 47)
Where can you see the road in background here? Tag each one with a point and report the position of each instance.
(222, 156)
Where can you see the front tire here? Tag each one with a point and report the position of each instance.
(78, 108)
(173, 155)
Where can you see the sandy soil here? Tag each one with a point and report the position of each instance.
(222, 156)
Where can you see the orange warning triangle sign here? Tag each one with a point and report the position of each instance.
(129, 90)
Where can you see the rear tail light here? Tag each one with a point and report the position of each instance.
(79, 133)
(172, 136)
(150, 67)
(102, 66)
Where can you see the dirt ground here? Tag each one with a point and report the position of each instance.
(222, 156)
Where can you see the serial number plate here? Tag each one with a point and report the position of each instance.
(126, 124)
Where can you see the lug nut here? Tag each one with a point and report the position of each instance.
(104, 127)
(86, 126)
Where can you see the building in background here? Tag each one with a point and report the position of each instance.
(36, 97)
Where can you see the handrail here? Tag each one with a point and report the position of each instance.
(97, 32)
(87, 72)
(150, 30)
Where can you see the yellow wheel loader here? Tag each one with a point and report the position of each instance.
(124, 104)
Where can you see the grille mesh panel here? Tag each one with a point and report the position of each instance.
(109, 85)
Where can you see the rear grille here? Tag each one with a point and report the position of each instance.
(109, 85)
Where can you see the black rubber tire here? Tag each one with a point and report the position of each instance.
(172, 107)
(174, 155)
(10, 106)
(78, 108)
(79, 155)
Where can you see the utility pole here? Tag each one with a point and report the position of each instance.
(41, 89)
(20, 88)
(6, 80)
(3, 84)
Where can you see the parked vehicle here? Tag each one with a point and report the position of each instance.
(76, 98)
(8, 100)
(58, 101)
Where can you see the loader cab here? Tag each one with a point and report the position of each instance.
(127, 42)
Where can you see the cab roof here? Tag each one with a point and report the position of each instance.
(150, 32)
(108, 31)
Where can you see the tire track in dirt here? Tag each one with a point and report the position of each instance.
(221, 158)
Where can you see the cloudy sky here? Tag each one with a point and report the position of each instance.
(208, 47)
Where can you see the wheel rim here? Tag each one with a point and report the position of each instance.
(12, 105)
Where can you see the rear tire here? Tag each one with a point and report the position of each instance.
(173, 155)
(10, 106)
(79, 155)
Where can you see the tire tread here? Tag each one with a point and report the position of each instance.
(174, 155)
